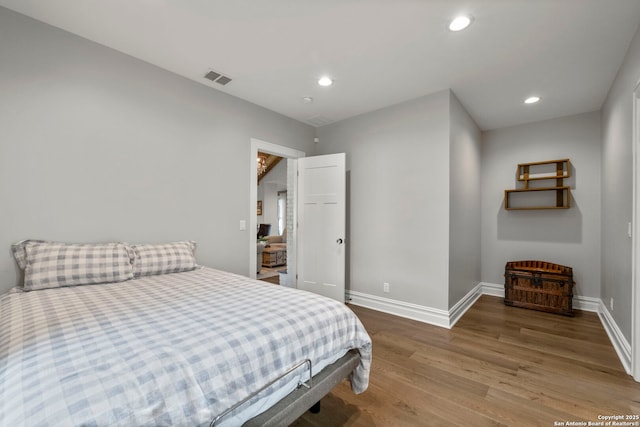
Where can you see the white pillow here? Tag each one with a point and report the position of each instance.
(20, 254)
(163, 258)
(53, 264)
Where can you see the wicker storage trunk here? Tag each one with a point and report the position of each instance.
(539, 285)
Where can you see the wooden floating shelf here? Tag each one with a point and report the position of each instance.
(536, 171)
(563, 198)
(562, 170)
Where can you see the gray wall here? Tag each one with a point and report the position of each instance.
(398, 170)
(96, 145)
(569, 237)
(464, 202)
(617, 189)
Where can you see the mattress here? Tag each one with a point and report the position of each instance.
(171, 349)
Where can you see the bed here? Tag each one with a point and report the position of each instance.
(186, 345)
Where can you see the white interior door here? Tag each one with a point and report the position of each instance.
(321, 225)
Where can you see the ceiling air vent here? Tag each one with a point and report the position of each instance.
(219, 78)
(223, 80)
(318, 121)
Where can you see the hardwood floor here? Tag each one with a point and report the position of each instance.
(498, 366)
(274, 279)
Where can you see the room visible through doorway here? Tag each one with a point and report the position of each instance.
(271, 217)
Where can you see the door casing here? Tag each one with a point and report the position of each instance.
(635, 241)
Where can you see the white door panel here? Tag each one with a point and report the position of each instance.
(321, 225)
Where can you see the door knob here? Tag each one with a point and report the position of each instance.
(339, 241)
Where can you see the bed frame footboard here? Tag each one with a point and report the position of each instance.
(299, 401)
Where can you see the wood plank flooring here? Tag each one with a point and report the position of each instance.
(498, 366)
(274, 279)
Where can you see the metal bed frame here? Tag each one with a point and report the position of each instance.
(305, 397)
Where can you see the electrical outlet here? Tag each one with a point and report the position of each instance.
(385, 288)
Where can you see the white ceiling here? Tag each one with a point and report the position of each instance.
(379, 52)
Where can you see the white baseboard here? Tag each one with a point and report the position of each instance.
(432, 316)
(586, 303)
(620, 343)
(461, 307)
(447, 319)
(492, 289)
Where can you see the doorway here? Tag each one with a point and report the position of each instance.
(290, 155)
(272, 218)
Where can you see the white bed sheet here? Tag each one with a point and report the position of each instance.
(174, 349)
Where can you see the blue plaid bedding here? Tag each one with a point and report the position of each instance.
(174, 349)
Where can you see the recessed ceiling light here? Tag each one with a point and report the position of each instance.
(307, 100)
(459, 23)
(325, 81)
(532, 100)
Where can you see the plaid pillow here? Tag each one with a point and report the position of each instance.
(163, 258)
(52, 264)
(20, 253)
